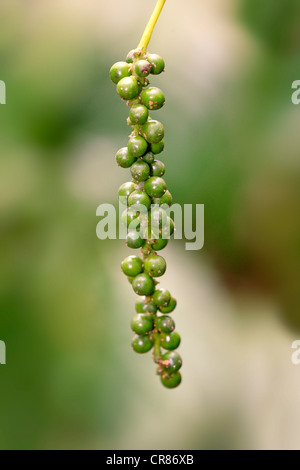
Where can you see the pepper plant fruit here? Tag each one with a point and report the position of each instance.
(146, 194)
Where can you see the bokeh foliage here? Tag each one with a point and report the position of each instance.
(69, 382)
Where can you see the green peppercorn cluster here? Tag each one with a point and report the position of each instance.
(148, 224)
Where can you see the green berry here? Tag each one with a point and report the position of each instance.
(132, 265)
(171, 381)
(130, 103)
(129, 215)
(142, 344)
(155, 187)
(142, 306)
(128, 88)
(157, 63)
(160, 244)
(171, 361)
(142, 68)
(161, 297)
(158, 215)
(140, 171)
(170, 341)
(148, 158)
(165, 324)
(142, 324)
(165, 199)
(157, 168)
(170, 307)
(153, 98)
(126, 189)
(131, 56)
(146, 231)
(138, 114)
(143, 284)
(153, 131)
(124, 159)
(168, 228)
(155, 265)
(137, 146)
(158, 147)
(119, 70)
(134, 240)
(158, 219)
(140, 201)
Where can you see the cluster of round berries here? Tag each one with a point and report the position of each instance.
(148, 224)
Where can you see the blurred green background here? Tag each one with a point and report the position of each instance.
(71, 380)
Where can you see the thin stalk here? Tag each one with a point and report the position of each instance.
(150, 26)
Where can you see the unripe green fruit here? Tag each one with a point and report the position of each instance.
(140, 171)
(171, 381)
(143, 284)
(118, 71)
(153, 131)
(142, 68)
(157, 168)
(165, 199)
(146, 233)
(168, 228)
(124, 159)
(139, 200)
(132, 265)
(148, 158)
(170, 307)
(158, 216)
(153, 98)
(170, 341)
(157, 219)
(158, 147)
(138, 114)
(155, 187)
(160, 244)
(134, 240)
(132, 55)
(171, 362)
(142, 344)
(130, 215)
(142, 324)
(136, 101)
(142, 306)
(161, 297)
(165, 324)
(137, 146)
(128, 88)
(126, 189)
(157, 63)
(155, 265)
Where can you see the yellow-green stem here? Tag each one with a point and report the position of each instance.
(150, 26)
